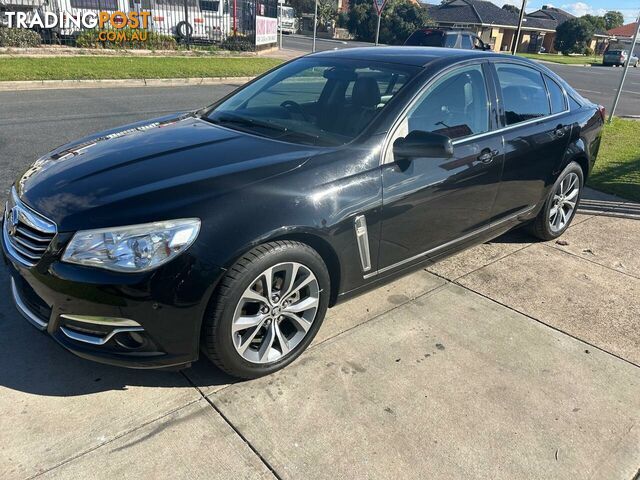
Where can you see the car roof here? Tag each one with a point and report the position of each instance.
(407, 55)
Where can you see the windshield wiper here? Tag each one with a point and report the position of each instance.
(284, 133)
(246, 121)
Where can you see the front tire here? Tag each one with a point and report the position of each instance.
(267, 309)
(561, 204)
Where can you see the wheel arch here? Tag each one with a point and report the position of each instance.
(580, 159)
(314, 240)
(326, 252)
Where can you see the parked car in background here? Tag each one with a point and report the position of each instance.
(619, 57)
(231, 229)
(439, 37)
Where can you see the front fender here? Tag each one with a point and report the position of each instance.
(317, 201)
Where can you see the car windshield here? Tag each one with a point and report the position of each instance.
(287, 12)
(316, 101)
(422, 38)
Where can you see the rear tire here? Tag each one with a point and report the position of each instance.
(561, 204)
(267, 309)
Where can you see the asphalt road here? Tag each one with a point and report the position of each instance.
(34, 122)
(598, 84)
(304, 44)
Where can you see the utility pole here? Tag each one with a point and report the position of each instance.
(280, 5)
(187, 25)
(518, 31)
(626, 69)
(315, 27)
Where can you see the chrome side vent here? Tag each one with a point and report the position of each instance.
(362, 237)
(26, 234)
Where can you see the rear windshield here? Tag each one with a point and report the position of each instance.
(615, 52)
(425, 38)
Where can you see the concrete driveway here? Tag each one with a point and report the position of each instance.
(511, 360)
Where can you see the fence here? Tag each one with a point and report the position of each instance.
(190, 22)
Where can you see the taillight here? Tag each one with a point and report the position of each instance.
(603, 112)
(158, 19)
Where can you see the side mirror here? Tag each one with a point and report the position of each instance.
(486, 46)
(423, 144)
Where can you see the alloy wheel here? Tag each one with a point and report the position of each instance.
(564, 202)
(275, 312)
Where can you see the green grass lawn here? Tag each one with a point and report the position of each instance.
(93, 68)
(617, 169)
(567, 60)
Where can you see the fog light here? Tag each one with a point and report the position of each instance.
(130, 340)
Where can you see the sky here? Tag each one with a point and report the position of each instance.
(629, 8)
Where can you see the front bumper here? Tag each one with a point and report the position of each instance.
(149, 320)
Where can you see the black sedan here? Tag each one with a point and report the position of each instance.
(232, 229)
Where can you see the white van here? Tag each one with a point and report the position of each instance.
(287, 21)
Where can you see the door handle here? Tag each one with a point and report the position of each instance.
(560, 131)
(486, 156)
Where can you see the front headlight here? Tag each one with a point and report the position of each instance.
(135, 248)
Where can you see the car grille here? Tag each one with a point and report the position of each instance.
(27, 234)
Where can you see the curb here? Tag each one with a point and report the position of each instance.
(134, 82)
(549, 62)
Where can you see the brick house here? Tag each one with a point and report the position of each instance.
(492, 24)
(598, 43)
(498, 27)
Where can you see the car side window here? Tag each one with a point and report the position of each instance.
(450, 40)
(556, 95)
(456, 105)
(524, 95)
(574, 104)
(466, 42)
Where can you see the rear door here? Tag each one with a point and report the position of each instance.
(429, 204)
(535, 138)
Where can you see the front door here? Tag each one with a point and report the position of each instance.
(428, 203)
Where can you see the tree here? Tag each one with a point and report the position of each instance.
(573, 36)
(613, 19)
(598, 23)
(327, 13)
(302, 6)
(400, 18)
(511, 8)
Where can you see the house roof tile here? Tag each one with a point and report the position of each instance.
(484, 12)
(627, 30)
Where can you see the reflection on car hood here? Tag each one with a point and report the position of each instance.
(163, 164)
